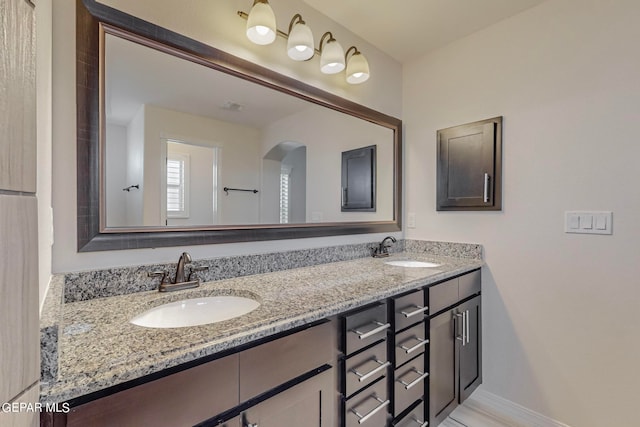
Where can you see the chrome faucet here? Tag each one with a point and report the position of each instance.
(383, 249)
(181, 281)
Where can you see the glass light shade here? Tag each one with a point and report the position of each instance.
(261, 24)
(357, 69)
(332, 58)
(300, 45)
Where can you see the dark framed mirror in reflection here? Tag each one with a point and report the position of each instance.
(180, 143)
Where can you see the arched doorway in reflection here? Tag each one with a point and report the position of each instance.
(284, 184)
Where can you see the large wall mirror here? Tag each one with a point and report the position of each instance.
(180, 143)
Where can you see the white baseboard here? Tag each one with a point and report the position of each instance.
(508, 412)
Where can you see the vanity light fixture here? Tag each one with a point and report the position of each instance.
(261, 23)
(357, 66)
(300, 45)
(261, 29)
(331, 55)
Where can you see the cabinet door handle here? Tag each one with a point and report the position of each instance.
(380, 328)
(486, 188)
(455, 327)
(364, 377)
(422, 376)
(344, 196)
(410, 350)
(363, 418)
(421, 423)
(468, 330)
(464, 328)
(415, 312)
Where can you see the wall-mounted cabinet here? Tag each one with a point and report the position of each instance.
(470, 166)
(359, 180)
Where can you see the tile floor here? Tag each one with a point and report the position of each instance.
(465, 416)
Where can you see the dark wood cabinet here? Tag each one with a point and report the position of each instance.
(470, 375)
(288, 380)
(470, 166)
(443, 367)
(456, 347)
(308, 404)
(359, 180)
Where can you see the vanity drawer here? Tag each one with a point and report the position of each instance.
(410, 343)
(469, 284)
(409, 309)
(366, 367)
(443, 295)
(415, 418)
(365, 327)
(409, 384)
(269, 365)
(370, 408)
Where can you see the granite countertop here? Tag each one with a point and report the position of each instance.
(99, 348)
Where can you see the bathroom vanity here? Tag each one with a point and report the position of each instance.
(359, 342)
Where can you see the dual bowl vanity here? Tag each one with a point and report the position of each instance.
(371, 341)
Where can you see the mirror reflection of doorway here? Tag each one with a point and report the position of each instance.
(190, 169)
(284, 184)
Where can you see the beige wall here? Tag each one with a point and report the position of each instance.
(215, 23)
(238, 161)
(326, 134)
(560, 328)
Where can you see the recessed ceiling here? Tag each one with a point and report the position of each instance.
(409, 29)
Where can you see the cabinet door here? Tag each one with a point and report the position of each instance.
(18, 100)
(469, 169)
(471, 351)
(443, 366)
(308, 404)
(358, 180)
(183, 398)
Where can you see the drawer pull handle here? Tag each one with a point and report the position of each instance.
(420, 310)
(380, 328)
(364, 377)
(363, 418)
(410, 350)
(422, 376)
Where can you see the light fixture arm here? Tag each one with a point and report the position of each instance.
(322, 40)
(294, 22)
(346, 55)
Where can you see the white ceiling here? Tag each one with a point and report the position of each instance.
(137, 75)
(408, 29)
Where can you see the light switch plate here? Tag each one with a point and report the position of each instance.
(588, 222)
(411, 220)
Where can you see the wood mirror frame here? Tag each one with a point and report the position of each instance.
(93, 236)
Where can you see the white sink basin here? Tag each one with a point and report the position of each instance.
(412, 264)
(195, 311)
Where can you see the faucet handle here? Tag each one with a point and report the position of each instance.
(162, 274)
(195, 270)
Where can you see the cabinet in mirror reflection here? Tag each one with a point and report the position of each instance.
(182, 132)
